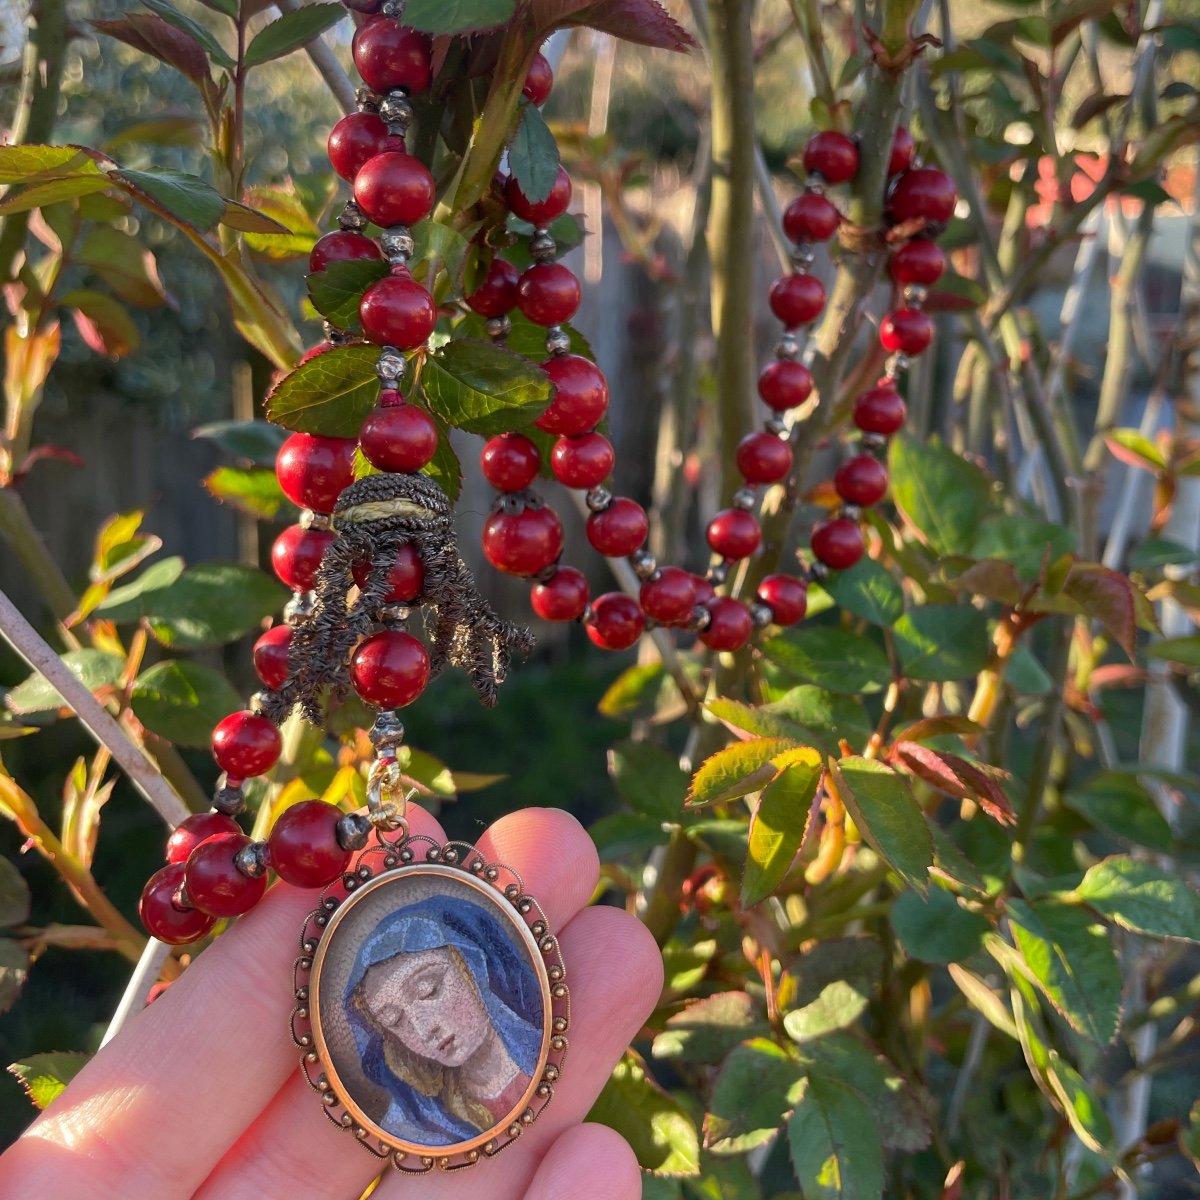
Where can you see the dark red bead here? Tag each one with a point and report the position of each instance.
(921, 262)
(271, 656)
(669, 596)
(548, 293)
(357, 137)
(510, 462)
(562, 597)
(406, 578)
(730, 624)
(797, 299)
(880, 410)
(523, 543)
(763, 458)
(213, 882)
(297, 553)
(245, 744)
(924, 193)
(811, 218)
(861, 480)
(538, 81)
(342, 245)
(539, 212)
(583, 461)
(620, 529)
(831, 155)
(903, 148)
(907, 331)
(397, 311)
(303, 845)
(616, 621)
(838, 543)
(580, 395)
(161, 916)
(784, 384)
(388, 56)
(786, 597)
(734, 533)
(395, 189)
(312, 471)
(497, 294)
(389, 669)
(398, 437)
(704, 590)
(193, 830)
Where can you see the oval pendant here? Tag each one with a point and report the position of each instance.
(432, 1005)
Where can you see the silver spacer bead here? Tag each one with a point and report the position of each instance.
(897, 364)
(745, 499)
(916, 293)
(299, 608)
(228, 800)
(394, 615)
(392, 8)
(396, 112)
(717, 573)
(387, 732)
(788, 347)
(314, 520)
(251, 860)
(585, 617)
(852, 512)
(391, 366)
(815, 183)
(818, 570)
(761, 615)
(352, 831)
(398, 245)
(803, 256)
(498, 328)
(366, 100)
(257, 703)
(509, 502)
(775, 425)
(598, 499)
(701, 618)
(644, 564)
(542, 246)
(353, 217)
(558, 340)
(333, 335)
(874, 443)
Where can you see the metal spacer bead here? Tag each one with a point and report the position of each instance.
(352, 831)
(775, 425)
(916, 293)
(761, 615)
(299, 608)
(818, 570)
(509, 502)
(251, 860)
(542, 246)
(396, 111)
(598, 499)
(815, 183)
(498, 328)
(333, 335)
(718, 573)
(558, 340)
(585, 617)
(314, 520)
(701, 618)
(391, 366)
(387, 732)
(394, 615)
(366, 100)
(392, 8)
(875, 443)
(644, 564)
(803, 256)
(852, 512)
(897, 364)
(257, 703)
(745, 499)
(788, 347)
(228, 800)
(397, 244)
(352, 217)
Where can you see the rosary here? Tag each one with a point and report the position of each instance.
(424, 969)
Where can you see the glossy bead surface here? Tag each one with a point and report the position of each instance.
(357, 137)
(510, 462)
(734, 533)
(497, 294)
(616, 621)
(786, 597)
(245, 744)
(729, 626)
(907, 330)
(193, 830)
(395, 189)
(398, 437)
(303, 845)
(920, 261)
(406, 578)
(704, 590)
(831, 155)
(763, 458)
(389, 669)
(797, 299)
(539, 80)
(213, 882)
(562, 597)
(580, 395)
(548, 293)
(312, 471)
(583, 461)
(838, 543)
(670, 597)
(811, 218)
(296, 555)
(523, 543)
(397, 311)
(861, 480)
(924, 193)
(160, 916)
(881, 410)
(539, 212)
(903, 149)
(390, 56)
(784, 384)
(620, 529)
(271, 656)
(343, 245)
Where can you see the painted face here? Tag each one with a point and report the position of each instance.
(428, 1000)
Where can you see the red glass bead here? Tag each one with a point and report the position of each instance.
(342, 246)
(786, 597)
(797, 299)
(312, 471)
(161, 916)
(831, 155)
(903, 148)
(562, 597)
(271, 656)
(583, 461)
(861, 480)
(616, 621)
(907, 330)
(730, 624)
(523, 543)
(734, 533)
(924, 193)
(390, 56)
(397, 311)
(213, 882)
(357, 137)
(510, 462)
(704, 590)
(395, 189)
(303, 846)
(763, 458)
(838, 543)
(497, 294)
(245, 744)
(620, 529)
(811, 218)
(389, 669)
(297, 553)
(539, 212)
(548, 293)
(920, 261)
(670, 596)
(193, 830)
(399, 437)
(880, 410)
(785, 384)
(580, 395)
(538, 81)
(406, 578)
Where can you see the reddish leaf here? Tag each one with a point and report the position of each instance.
(933, 727)
(959, 777)
(102, 323)
(1116, 675)
(1108, 597)
(992, 579)
(40, 453)
(643, 21)
(152, 35)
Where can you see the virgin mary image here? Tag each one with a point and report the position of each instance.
(448, 1019)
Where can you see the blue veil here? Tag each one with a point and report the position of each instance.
(505, 981)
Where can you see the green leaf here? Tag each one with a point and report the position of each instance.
(1182, 650)
(1155, 553)
(751, 719)
(524, 338)
(941, 642)
(533, 155)
(831, 658)
(444, 468)
(252, 490)
(337, 291)
(936, 928)
(868, 591)
(834, 1143)
(52, 191)
(981, 998)
(125, 603)
(14, 971)
(648, 779)
(329, 395)
(1025, 542)
(1083, 1110)
(182, 701)
(882, 806)
(826, 718)
(751, 1096)
(779, 825)
(173, 16)
(44, 1076)
(626, 833)
(484, 388)
(186, 197)
(1026, 674)
(737, 770)
(707, 1030)
(124, 264)
(14, 896)
(438, 247)
(457, 16)
(1138, 895)
(258, 441)
(21, 164)
(662, 1135)
(838, 1006)
(1122, 806)
(644, 692)
(291, 31)
(944, 497)
(93, 668)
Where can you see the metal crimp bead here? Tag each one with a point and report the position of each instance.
(875, 443)
(498, 328)
(251, 860)
(788, 347)
(701, 618)
(228, 799)
(396, 112)
(352, 831)
(599, 498)
(818, 570)
(745, 499)
(897, 364)
(391, 365)
(542, 246)
(803, 256)
(814, 184)
(395, 616)
(352, 217)
(313, 520)
(644, 564)
(916, 293)
(298, 609)
(852, 512)
(366, 100)
(761, 615)
(558, 340)
(398, 245)
(386, 733)
(718, 573)
(775, 425)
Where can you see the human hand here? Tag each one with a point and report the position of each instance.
(201, 1094)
